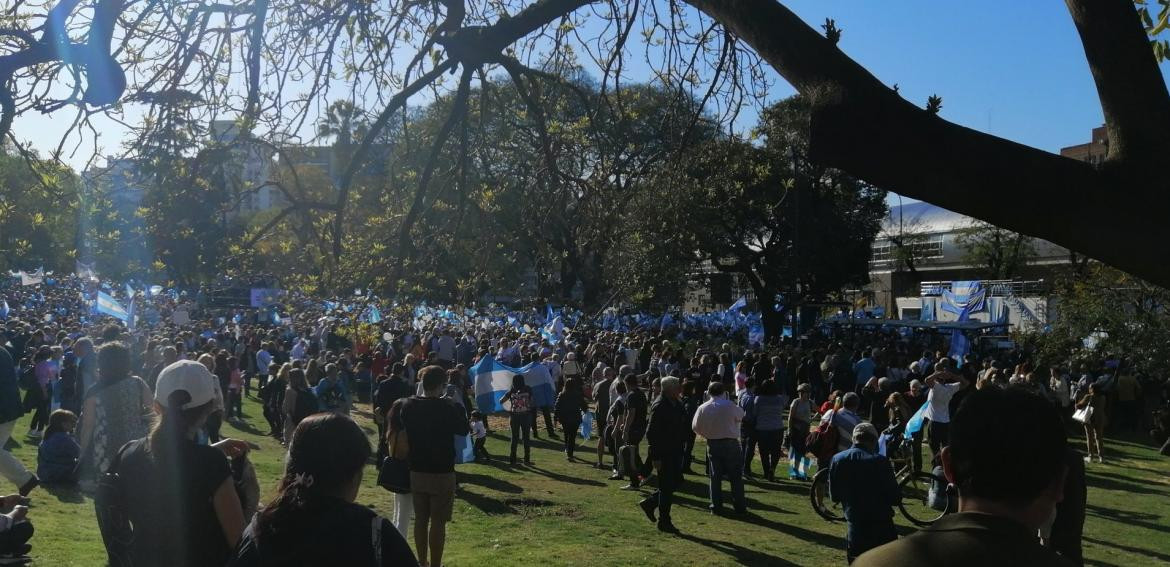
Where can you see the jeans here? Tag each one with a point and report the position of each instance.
(521, 427)
(548, 422)
(481, 450)
(748, 440)
(570, 431)
(769, 451)
(235, 404)
(725, 460)
(11, 468)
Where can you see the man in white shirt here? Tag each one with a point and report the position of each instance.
(263, 358)
(718, 421)
(943, 385)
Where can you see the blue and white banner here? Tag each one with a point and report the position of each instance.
(107, 305)
(739, 304)
(492, 380)
(915, 424)
(263, 297)
(964, 295)
(34, 278)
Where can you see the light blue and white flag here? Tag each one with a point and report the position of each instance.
(34, 278)
(153, 290)
(107, 305)
(493, 379)
(374, 315)
(129, 291)
(84, 270)
(4, 309)
(915, 424)
(554, 331)
(739, 304)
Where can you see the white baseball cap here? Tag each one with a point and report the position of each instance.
(187, 376)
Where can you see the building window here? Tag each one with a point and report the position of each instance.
(929, 248)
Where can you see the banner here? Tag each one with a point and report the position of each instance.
(263, 296)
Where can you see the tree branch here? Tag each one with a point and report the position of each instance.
(1129, 84)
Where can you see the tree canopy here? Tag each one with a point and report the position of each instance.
(270, 64)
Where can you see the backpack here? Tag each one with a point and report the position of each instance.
(306, 405)
(822, 442)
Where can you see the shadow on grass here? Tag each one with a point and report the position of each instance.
(830, 541)
(564, 478)
(491, 482)
(1140, 519)
(65, 493)
(739, 553)
(246, 427)
(1097, 480)
(1135, 550)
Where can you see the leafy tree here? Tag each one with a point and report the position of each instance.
(768, 214)
(997, 252)
(38, 213)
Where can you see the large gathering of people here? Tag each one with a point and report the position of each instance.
(134, 414)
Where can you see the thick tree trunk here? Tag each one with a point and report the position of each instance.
(865, 128)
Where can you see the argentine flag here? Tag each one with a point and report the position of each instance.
(4, 309)
(739, 304)
(107, 305)
(554, 331)
(492, 380)
(374, 315)
(914, 425)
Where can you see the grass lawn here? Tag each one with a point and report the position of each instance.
(561, 513)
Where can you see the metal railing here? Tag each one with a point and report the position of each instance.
(995, 288)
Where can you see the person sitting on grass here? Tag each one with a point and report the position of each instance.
(58, 453)
(15, 530)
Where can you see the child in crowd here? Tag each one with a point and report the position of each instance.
(59, 450)
(479, 430)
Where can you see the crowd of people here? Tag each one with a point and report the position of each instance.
(135, 416)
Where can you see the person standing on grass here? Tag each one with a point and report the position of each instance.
(769, 430)
(601, 395)
(431, 423)
(941, 386)
(665, 434)
(1000, 507)
(11, 410)
(863, 482)
(799, 421)
(633, 431)
(717, 421)
(519, 400)
(569, 407)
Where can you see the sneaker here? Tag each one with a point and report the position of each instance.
(631, 486)
(34, 434)
(14, 559)
(1088, 460)
(615, 476)
(667, 528)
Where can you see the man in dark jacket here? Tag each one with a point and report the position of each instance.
(666, 434)
(1001, 507)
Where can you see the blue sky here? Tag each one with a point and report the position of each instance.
(1011, 68)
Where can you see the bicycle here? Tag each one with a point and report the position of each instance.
(920, 503)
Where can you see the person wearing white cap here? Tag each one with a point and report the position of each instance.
(166, 472)
(863, 482)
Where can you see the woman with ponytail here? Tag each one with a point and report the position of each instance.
(178, 496)
(313, 520)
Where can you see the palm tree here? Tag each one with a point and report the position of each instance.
(342, 121)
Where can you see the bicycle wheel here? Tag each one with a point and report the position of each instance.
(818, 494)
(915, 503)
